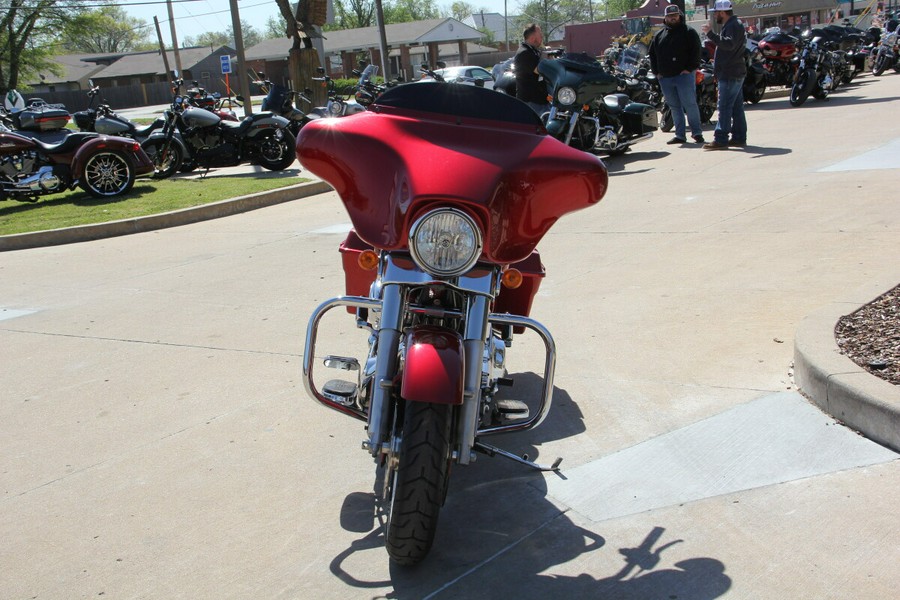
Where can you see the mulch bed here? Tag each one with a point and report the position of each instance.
(870, 337)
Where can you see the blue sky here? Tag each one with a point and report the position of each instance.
(198, 16)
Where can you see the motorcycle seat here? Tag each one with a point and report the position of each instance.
(71, 143)
(616, 103)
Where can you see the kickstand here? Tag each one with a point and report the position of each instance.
(205, 173)
(493, 450)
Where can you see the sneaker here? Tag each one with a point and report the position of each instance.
(698, 139)
(715, 146)
(677, 140)
(737, 143)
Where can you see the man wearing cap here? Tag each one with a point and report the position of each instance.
(674, 56)
(730, 68)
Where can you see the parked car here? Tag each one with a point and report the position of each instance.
(469, 75)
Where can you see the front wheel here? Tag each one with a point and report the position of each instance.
(276, 153)
(415, 481)
(880, 65)
(665, 120)
(801, 88)
(164, 163)
(107, 174)
(758, 92)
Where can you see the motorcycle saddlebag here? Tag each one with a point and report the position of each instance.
(640, 118)
(42, 118)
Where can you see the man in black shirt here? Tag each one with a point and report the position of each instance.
(530, 87)
(674, 58)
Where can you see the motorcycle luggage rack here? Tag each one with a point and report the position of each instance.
(493, 319)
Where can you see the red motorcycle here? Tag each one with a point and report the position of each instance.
(449, 189)
(103, 166)
(778, 51)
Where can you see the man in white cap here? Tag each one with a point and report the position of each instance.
(731, 69)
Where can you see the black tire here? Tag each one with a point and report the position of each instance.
(758, 92)
(417, 486)
(801, 88)
(879, 65)
(277, 153)
(706, 112)
(665, 120)
(163, 166)
(107, 174)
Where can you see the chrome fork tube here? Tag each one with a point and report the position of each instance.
(385, 365)
(477, 311)
(573, 120)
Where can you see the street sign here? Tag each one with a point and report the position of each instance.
(226, 64)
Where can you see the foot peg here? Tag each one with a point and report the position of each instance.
(513, 409)
(342, 392)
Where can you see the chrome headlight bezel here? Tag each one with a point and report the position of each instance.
(566, 96)
(335, 108)
(424, 244)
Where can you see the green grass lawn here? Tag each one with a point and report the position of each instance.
(148, 197)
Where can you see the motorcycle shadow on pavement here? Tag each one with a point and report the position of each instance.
(617, 165)
(498, 524)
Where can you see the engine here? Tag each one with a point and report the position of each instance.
(202, 140)
(15, 166)
(23, 175)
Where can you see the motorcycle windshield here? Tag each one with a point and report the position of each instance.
(367, 75)
(631, 60)
(587, 78)
(426, 145)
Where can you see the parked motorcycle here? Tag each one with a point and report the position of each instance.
(587, 113)
(887, 53)
(754, 87)
(641, 84)
(103, 119)
(203, 139)
(441, 270)
(707, 91)
(342, 103)
(778, 50)
(281, 100)
(103, 166)
(815, 72)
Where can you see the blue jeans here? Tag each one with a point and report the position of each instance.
(731, 112)
(681, 95)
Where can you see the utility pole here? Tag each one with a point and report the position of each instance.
(243, 83)
(382, 37)
(174, 39)
(162, 48)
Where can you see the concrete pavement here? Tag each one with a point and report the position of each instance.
(156, 441)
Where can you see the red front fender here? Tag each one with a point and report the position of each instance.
(433, 369)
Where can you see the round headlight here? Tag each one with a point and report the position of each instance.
(566, 96)
(445, 242)
(336, 108)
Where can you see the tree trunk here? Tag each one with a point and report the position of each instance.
(302, 64)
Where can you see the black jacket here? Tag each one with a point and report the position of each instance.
(731, 43)
(673, 50)
(529, 86)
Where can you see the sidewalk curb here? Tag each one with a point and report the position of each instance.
(839, 386)
(214, 210)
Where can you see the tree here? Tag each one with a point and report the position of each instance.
(553, 14)
(460, 10)
(105, 29)
(26, 30)
(404, 11)
(214, 39)
(353, 14)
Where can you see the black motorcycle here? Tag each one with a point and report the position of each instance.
(815, 72)
(206, 140)
(282, 100)
(755, 82)
(586, 111)
(104, 119)
(641, 84)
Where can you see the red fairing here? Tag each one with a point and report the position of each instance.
(433, 370)
(389, 166)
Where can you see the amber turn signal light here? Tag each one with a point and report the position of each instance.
(367, 260)
(512, 278)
